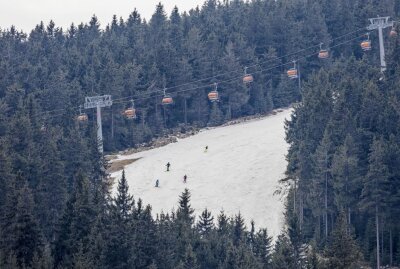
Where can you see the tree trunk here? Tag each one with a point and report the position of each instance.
(390, 247)
(112, 124)
(378, 262)
(349, 219)
(143, 116)
(185, 105)
(165, 116)
(301, 212)
(319, 227)
(326, 196)
(382, 225)
(295, 196)
(198, 111)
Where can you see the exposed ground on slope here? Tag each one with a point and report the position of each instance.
(118, 165)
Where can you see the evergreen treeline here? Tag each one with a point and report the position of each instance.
(57, 67)
(97, 231)
(55, 207)
(343, 163)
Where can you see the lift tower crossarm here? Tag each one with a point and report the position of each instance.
(98, 102)
(380, 23)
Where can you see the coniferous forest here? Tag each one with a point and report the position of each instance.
(343, 174)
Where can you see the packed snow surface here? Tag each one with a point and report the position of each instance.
(239, 172)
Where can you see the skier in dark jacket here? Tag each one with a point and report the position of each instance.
(157, 183)
(168, 165)
(184, 178)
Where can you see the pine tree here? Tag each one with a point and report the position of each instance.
(223, 224)
(185, 212)
(189, 261)
(145, 240)
(119, 246)
(286, 92)
(216, 117)
(75, 224)
(343, 251)
(206, 223)
(375, 192)
(51, 192)
(124, 202)
(322, 183)
(6, 176)
(283, 256)
(262, 248)
(27, 241)
(239, 230)
(183, 223)
(346, 176)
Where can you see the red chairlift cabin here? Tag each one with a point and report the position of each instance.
(130, 113)
(366, 44)
(323, 53)
(82, 117)
(292, 72)
(213, 95)
(248, 78)
(167, 99)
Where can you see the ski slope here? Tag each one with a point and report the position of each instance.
(239, 173)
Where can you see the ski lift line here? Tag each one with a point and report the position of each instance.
(235, 78)
(313, 46)
(260, 71)
(232, 79)
(215, 76)
(59, 115)
(55, 116)
(116, 101)
(255, 65)
(250, 66)
(207, 86)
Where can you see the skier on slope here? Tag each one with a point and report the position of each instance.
(184, 178)
(206, 149)
(168, 165)
(157, 183)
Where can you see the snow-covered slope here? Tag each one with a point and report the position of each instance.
(239, 173)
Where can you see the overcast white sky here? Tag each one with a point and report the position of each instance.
(25, 14)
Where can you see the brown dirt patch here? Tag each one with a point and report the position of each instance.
(119, 165)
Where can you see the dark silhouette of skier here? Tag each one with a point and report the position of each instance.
(184, 178)
(168, 165)
(157, 183)
(206, 149)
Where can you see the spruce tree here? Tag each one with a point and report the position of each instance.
(185, 212)
(118, 248)
(375, 192)
(346, 176)
(189, 261)
(262, 248)
(283, 256)
(216, 117)
(75, 224)
(27, 242)
(343, 251)
(239, 230)
(206, 223)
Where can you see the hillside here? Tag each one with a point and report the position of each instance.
(239, 173)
